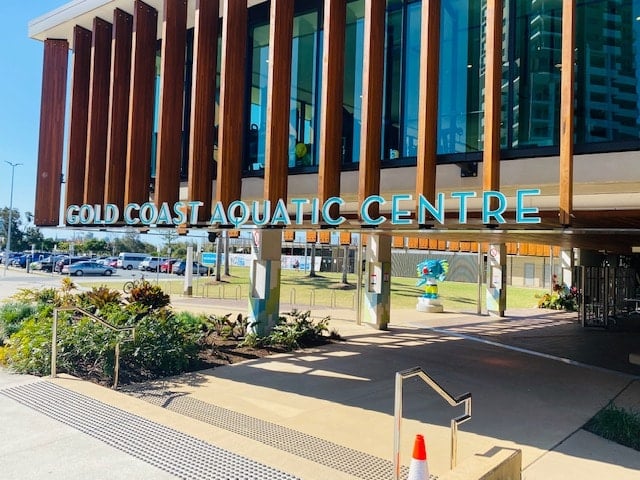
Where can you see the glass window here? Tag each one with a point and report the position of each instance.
(461, 88)
(304, 81)
(535, 33)
(607, 71)
(352, 96)
(256, 141)
(392, 82)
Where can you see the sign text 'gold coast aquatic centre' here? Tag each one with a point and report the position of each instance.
(260, 213)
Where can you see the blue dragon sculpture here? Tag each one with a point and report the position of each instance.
(429, 271)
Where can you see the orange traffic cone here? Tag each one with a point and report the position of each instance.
(419, 469)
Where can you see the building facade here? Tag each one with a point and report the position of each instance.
(223, 101)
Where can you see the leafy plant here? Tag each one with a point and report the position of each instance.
(12, 315)
(225, 327)
(618, 425)
(297, 329)
(99, 297)
(151, 296)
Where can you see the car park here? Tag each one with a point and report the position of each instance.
(87, 268)
(68, 261)
(167, 265)
(198, 268)
(46, 264)
(151, 264)
(129, 261)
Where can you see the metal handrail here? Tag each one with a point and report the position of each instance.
(451, 400)
(54, 339)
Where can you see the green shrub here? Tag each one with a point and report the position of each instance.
(150, 296)
(297, 329)
(12, 315)
(618, 425)
(224, 327)
(165, 344)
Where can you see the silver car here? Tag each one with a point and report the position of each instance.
(87, 268)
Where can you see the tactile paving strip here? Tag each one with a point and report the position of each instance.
(355, 463)
(182, 455)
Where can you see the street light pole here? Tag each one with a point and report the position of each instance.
(8, 244)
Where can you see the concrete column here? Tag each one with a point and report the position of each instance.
(377, 298)
(566, 264)
(188, 273)
(497, 279)
(264, 280)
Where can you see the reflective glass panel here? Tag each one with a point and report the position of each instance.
(607, 71)
(461, 88)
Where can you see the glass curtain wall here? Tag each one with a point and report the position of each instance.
(352, 94)
(608, 71)
(607, 67)
(306, 54)
(461, 87)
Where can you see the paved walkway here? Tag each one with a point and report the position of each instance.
(327, 413)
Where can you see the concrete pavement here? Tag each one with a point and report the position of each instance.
(328, 412)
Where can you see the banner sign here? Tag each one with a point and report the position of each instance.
(260, 213)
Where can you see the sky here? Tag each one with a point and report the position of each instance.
(20, 89)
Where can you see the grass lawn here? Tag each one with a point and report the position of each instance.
(326, 290)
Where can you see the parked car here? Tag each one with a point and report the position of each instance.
(198, 268)
(68, 261)
(109, 261)
(11, 256)
(46, 264)
(22, 259)
(129, 261)
(87, 268)
(167, 265)
(151, 264)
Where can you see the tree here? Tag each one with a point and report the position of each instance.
(95, 245)
(32, 236)
(131, 242)
(16, 234)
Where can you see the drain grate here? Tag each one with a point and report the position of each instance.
(353, 462)
(182, 455)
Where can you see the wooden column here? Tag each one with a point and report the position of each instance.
(372, 93)
(332, 100)
(95, 168)
(77, 151)
(492, 84)
(428, 100)
(118, 107)
(174, 41)
(278, 101)
(232, 96)
(205, 53)
(141, 104)
(566, 111)
(51, 146)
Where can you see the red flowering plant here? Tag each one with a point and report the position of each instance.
(562, 297)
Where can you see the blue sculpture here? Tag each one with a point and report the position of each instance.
(429, 272)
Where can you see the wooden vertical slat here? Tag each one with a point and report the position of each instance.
(278, 101)
(118, 107)
(331, 101)
(51, 146)
(372, 92)
(169, 156)
(566, 111)
(232, 98)
(428, 100)
(141, 103)
(77, 150)
(96, 161)
(205, 53)
(492, 86)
